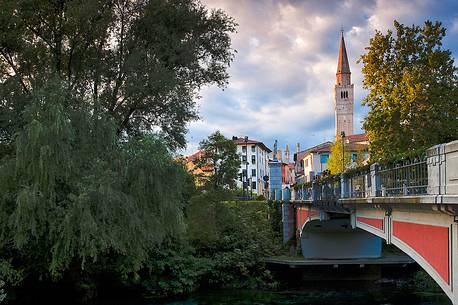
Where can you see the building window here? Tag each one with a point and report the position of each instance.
(253, 185)
(253, 148)
(253, 159)
(253, 172)
(244, 149)
(341, 94)
(244, 173)
(243, 158)
(324, 158)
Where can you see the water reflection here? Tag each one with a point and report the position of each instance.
(387, 296)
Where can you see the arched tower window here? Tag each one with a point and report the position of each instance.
(341, 94)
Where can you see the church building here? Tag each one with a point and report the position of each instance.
(313, 161)
(343, 93)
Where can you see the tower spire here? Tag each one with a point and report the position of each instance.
(343, 67)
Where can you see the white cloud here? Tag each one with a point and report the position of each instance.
(283, 76)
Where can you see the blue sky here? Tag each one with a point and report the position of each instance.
(281, 81)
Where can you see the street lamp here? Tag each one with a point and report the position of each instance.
(245, 185)
(342, 135)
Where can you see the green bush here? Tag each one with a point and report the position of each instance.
(261, 198)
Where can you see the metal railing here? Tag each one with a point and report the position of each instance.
(425, 174)
(358, 185)
(404, 178)
(323, 190)
(304, 193)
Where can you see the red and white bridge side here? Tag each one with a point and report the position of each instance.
(425, 227)
(305, 214)
(429, 237)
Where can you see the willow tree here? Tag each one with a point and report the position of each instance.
(413, 94)
(73, 196)
(142, 62)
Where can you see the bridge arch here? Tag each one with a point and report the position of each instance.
(334, 238)
(305, 214)
(428, 237)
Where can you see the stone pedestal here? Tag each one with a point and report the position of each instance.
(442, 161)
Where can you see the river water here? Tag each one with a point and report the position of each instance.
(356, 296)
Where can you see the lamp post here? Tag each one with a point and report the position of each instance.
(245, 185)
(342, 135)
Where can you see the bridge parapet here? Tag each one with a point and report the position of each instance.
(443, 169)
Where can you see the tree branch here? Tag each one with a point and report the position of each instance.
(10, 61)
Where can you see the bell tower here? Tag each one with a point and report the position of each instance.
(343, 93)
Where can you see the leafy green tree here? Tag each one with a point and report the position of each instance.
(220, 155)
(413, 96)
(75, 198)
(141, 62)
(334, 163)
(233, 236)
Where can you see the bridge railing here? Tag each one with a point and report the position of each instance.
(401, 178)
(303, 192)
(404, 178)
(432, 173)
(359, 185)
(326, 188)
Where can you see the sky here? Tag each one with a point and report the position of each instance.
(282, 78)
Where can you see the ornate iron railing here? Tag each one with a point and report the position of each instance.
(359, 185)
(404, 178)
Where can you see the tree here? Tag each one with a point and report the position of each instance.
(220, 154)
(141, 62)
(73, 198)
(334, 163)
(413, 96)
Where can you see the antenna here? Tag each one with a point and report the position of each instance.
(342, 29)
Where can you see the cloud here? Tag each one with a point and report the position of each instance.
(283, 76)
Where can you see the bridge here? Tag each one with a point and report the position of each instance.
(412, 204)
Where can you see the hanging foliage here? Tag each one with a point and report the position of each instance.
(73, 194)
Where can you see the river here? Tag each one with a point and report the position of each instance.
(355, 296)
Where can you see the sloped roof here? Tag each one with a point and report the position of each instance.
(361, 137)
(323, 147)
(195, 156)
(241, 141)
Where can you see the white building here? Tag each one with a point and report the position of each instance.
(314, 160)
(255, 161)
